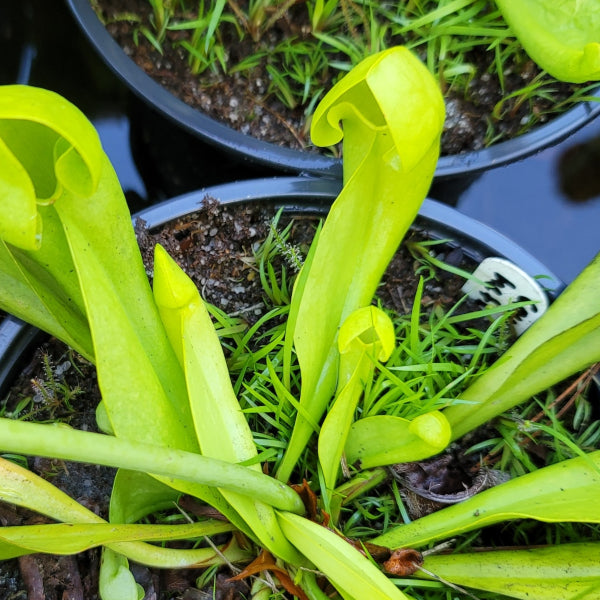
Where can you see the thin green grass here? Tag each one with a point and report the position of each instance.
(55, 391)
(303, 48)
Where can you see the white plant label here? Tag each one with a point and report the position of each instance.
(506, 283)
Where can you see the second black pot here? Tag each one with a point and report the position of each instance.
(205, 150)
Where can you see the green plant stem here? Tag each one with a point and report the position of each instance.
(69, 444)
(547, 573)
(220, 424)
(21, 487)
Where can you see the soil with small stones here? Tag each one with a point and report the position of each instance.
(244, 103)
(215, 247)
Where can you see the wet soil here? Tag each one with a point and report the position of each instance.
(215, 248)
(245, 104)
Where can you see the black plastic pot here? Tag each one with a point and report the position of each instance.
(298, 195)
(17, 341)
(245, 150)
(316, 194)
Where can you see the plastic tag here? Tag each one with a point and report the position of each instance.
(507, 283)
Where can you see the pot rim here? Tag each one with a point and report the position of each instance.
(316, 194)
(301, 195)
(253, 150)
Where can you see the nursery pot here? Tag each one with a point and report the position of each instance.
(314, 195)
(298, 195)
(208, 141)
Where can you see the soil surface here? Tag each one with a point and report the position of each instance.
(215, 247)
(244, 103)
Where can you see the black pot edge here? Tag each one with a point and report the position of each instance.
(312, 194)
(301, 194)
(267, 154)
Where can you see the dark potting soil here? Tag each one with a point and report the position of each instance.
(244, 103)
